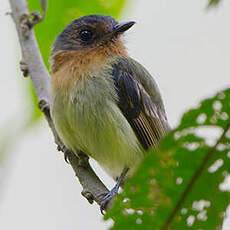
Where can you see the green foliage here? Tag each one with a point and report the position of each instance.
(181, 185)
(58, 15)
(214, 2)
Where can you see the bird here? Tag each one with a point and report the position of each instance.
(104, 103)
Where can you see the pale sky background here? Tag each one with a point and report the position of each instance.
(188, 49)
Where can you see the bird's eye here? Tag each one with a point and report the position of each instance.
(86, 35)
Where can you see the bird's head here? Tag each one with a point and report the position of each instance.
(90, 32)
(87, 43)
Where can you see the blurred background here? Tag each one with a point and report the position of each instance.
(184, 44)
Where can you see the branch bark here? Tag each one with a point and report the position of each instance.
(93, 188)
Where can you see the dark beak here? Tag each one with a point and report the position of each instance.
(122, 27)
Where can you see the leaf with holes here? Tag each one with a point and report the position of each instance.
(184, 183)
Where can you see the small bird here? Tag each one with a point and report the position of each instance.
(104, 103)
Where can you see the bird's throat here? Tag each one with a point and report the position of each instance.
(89, 59)
(72, 66)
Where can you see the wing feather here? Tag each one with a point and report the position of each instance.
(140, 102)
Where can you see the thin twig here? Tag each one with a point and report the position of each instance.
(44, 4)
(35, 67)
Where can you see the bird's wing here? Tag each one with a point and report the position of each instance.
(140, 101)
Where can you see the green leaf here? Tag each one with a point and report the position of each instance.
(213, 2)
(181, 184)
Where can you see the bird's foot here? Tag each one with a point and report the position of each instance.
(67, 153)
(108, 197)
(114, 191)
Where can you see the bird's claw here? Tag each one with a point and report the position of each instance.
(66, 156)
(108, 197)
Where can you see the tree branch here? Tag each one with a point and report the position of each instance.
(35, 67)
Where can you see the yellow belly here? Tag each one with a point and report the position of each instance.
(88, 119)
